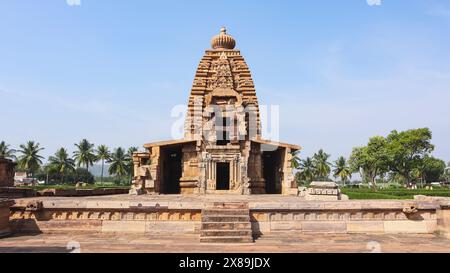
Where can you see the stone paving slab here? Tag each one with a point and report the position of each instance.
(282, 242)
(256, 202)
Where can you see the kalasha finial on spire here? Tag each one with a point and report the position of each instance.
(223, 40)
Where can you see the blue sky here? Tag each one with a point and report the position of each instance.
(111, 71)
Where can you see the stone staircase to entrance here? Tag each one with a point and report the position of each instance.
(226, 222)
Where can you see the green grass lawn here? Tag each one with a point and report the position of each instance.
(365, 193)
(352, 193)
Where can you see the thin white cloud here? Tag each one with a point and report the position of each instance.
(374, 2)
(73, 2)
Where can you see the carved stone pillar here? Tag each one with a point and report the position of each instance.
(288, 185)
(245, 180)
(236, 179)
(203, 175)
(153, 181)
(136, 164)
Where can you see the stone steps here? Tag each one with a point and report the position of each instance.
(225, 218)
(231, 212)
(226, 240)
(226, 205)
(226, 222)
(225, 233)
(225, 225)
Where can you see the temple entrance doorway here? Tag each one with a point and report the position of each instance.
(172, 170)
(223, 176)
(271, 164)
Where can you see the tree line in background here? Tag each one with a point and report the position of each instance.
(400, 158)
(63, 168)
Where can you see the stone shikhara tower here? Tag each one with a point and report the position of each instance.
(222, 150)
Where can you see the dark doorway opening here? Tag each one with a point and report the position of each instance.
(222, 132)
(270, 167)
(223, 176)
(172, 170)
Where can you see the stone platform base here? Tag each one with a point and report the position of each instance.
(283, 242)
(5, 229)
(269, 214)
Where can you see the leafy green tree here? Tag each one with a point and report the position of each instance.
(407, 149)
(29, 159)
(6, 152)
(447, 172)
(306, 171)
(342, 169)
(119, 159)
(85, 154)
(357, 162)
(370, 161)
(429, 169)
(321, 165)
(82, 175)
(395, 178)
(103, 154)
(54, 177)
(61, 163)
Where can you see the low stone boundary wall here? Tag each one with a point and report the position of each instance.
(346, 217)
(14, 193)
(368, 216)
(11, 192)
(104, 216)
(443, 213)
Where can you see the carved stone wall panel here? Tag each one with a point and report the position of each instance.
(342, 215)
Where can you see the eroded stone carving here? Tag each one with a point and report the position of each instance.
(6, 172)
(323, 191)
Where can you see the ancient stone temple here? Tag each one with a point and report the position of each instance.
(222, 150)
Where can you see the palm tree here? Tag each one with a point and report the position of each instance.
(103, 154)
(295, 161)
(6, 152)
(322, 165)
(307, 170)
(130, 164)
(342, 169)
(30, 160)
(118, 161)
(61, 163)
(132, 150)
(85, 154)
